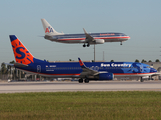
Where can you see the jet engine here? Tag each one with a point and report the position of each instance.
(106, 76)
(99, 41)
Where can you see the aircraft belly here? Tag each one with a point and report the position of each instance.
(70, 41)
(60, 76)
(53, 40)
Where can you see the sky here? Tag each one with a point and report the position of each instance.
(139, 19)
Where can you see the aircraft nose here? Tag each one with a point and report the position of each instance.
(153, 70)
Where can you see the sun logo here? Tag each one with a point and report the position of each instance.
(22, 55)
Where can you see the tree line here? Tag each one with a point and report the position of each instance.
(8, 72)
(143, 61)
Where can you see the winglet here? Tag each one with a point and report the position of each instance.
(86, 70)
(85, 31)
(89, 38)
(81, 63)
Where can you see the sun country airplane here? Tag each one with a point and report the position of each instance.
(86, 39)
(86, 71)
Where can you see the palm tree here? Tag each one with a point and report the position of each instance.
(157, 60)
(137, 60)
(3, 68)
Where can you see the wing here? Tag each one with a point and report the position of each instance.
(86, 71)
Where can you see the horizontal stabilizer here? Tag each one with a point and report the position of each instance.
(9, 64)
(16, 65)
(20, 65)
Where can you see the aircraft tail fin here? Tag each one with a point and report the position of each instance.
(49, 30)
(21, 54)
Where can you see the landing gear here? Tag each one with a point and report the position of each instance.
(141, 79)
(84, 45)
(88, 45)
(120, 43)
(81, 80)
(85, 80)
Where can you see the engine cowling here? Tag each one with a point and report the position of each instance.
(106, 76)
(99, 41)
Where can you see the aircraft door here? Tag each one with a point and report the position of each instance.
(39, 68)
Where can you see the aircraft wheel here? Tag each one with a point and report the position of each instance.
(121, 43)
(81, 80)
(88, 45)
(84, 45)
(141, 80)
(86, 81)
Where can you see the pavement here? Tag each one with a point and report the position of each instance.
(64, 86)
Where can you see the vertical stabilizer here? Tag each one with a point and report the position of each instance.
(49, 30)
(22, 55)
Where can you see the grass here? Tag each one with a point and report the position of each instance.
(122, 105)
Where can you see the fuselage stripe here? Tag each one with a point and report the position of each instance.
(94, 38)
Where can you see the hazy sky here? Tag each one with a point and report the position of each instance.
(140, 19)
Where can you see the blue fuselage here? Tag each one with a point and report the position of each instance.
(73, 69)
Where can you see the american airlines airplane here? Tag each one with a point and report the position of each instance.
(86, 39)
(86, 71)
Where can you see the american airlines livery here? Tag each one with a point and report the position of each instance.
(87, 38)
(86, 71)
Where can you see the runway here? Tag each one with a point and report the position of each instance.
(18, 87)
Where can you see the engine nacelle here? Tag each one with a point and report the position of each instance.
(99, 41)
(106, 76)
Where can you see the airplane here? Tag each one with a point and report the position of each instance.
(87, 38)
(85, 71)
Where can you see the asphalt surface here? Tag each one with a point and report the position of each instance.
(17, 87)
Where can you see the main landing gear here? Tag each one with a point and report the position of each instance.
(120, 43)
(141, 79)
(84, 45)
(85, 80)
